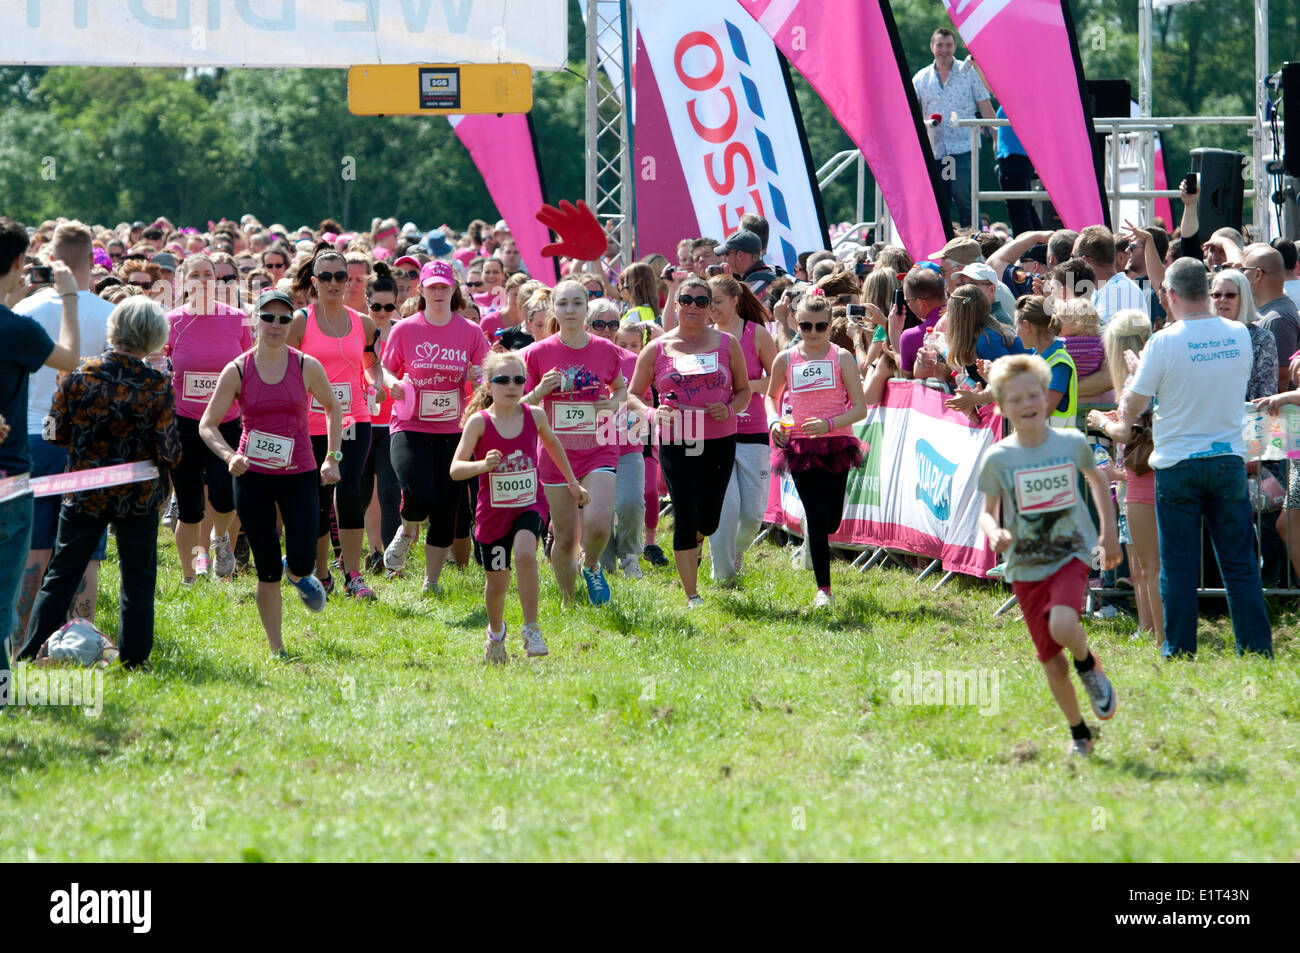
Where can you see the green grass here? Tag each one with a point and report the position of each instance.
(750, 730)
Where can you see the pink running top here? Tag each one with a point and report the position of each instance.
(817, 389)
(275, 437)
(588, 374)
(514, 487)
(753, 419)
(200, 346)
(343, 359)
(698, 380)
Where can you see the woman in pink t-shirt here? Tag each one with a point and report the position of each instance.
(815, 435)
(703, 384)
(501, 445)
(205, 336)
(428, 360)
(578, 380)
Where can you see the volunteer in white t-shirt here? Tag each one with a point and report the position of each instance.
(72, 244)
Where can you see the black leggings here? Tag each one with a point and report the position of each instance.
(199, 465)
(346, 494)
(379, 469)
(256, 497)
(822, 495)
(422, 462)
(697, 485)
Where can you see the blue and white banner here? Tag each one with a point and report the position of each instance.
(735, 125)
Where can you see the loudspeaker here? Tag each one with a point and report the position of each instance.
(1221, 185)
(1291, 118)
(1107, 98)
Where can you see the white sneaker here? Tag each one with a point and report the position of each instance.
(533, 644)
(430, 588)
(823, 600)
(201, 564)
(494, 650)
(631, 567)
(695, 602)
(395, 554)
(223, 558)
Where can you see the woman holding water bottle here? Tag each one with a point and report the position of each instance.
(815, 433)
(274, 467)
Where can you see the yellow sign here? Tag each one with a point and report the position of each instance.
(440, 90)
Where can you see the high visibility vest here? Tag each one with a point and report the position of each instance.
(1065, 418)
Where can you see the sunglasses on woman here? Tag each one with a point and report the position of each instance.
(227, 279)
(700, 301)
(806, 326)
(270, 317)
(328, 276)
(504, 379)
(1216, 295)
(595, 293)
(142, 285)
(599, 325)
(276, 266)
(468, 284)
(375, 306)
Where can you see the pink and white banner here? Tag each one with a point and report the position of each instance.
(917, 489)
(849, 51)
(1027, 51)
(736, 131)
(503, 151)
(661, 190)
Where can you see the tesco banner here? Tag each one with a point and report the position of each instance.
(734, 123)
(307, 33)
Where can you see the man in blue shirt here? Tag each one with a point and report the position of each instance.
(1014, 175)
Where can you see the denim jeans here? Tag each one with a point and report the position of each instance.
(1213, 489)
(137, 553)
(954, 186)
(15, 535)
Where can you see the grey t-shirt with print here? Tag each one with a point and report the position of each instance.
(1043, 502)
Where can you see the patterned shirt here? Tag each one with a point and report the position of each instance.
(1117, 294)
(1263, 372)
(959, 95)
(116, 409)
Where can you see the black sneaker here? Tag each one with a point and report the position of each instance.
(654, 555)
(375, 563)
(241, 553)
(1100, 691)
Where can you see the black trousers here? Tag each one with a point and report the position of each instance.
(698, 486)
(422, 462)
(257, 497)
(137, 553)
(198, 467)
(345, 495)
(1014, 175)
(822, 495)
(379, 471)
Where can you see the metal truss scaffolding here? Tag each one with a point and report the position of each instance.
(609, 126)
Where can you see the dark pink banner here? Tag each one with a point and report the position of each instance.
(664, 213)
(847, 51)
(502, 149)
(1027, 52)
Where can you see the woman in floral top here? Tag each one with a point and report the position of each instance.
(113, 409)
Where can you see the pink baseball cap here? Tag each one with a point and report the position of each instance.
(437, 273)
(407, 260)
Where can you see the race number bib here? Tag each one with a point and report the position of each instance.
(813, 375)
(696, 363)
(1046, 489)
(516, 489)
(573, 417)
(268, 450)
(439, 405)
(199, 385)
(342, 393)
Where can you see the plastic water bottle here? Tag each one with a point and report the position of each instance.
(1100, 455)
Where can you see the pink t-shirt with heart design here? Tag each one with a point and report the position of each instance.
(438, 361)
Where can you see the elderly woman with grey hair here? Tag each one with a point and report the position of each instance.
(1231, 298)
(113, 409)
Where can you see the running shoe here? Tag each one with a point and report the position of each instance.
(597, 587)
(357, 588)
(201, 564)
(1082, 747)
(430, 588)
(328, 584)
(395, 554)
(494, 649)
(533, 644)
(223, 559)
(375, 562)
(631, 567)
(172, 515)
(280, 656)
(695, 602)
(391, 574)
(654, 555)
(241, 553)
(823, 600)
(1100, 691)
(311, 591)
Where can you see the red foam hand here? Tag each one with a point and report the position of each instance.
(581, 236)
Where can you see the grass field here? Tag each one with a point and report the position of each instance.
(751, 730)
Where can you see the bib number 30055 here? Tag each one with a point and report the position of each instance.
(1046, 489)
(268, 450)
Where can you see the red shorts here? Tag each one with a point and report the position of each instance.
(1065, 587)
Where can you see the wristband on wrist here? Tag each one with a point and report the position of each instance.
(830, 424)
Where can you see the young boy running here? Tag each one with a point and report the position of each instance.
(1032, 477)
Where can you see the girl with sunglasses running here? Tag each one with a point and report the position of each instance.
(379, 489)
(815, 437)
(500, 445)
(343, 340)
(703, 383)
(578, 379)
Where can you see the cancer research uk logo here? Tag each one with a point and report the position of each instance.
(76, 906)
(934, 474)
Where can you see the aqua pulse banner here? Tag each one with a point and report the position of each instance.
(307, 33)
(735, 128)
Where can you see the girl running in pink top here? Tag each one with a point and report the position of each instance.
(500, 446)
(578, 380)
(816, 437)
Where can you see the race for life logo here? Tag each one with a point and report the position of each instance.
(934, 475)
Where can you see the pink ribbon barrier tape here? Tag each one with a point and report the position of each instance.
(97, 479)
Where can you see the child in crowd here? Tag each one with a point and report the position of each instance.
(1032, 478)
(1081, 331)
